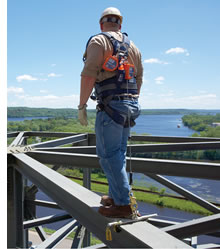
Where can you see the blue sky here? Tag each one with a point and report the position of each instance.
(179, 41)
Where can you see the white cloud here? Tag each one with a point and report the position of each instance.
(25, 77)
(54, 75)
(15, 90)
(49, 97)
(177, 50)
(159, 80)
(202, 97)
(168, 94)
(49, 100)
(202, 92)
(43, 91)
(203, 101)
(155, 61)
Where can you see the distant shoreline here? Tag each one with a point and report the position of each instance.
(23, 112)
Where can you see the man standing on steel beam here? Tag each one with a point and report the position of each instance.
(113, 67)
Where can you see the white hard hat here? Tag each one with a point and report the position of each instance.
(111, 11)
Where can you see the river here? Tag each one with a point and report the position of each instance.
(167, 125)
(24, 118)
(158, 125)
(161, 125)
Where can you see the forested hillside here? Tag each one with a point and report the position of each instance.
(51, 124)
(17, 112)
(203, 124)
(40, 112)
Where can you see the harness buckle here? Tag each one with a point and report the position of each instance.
(100, 107)
(93, 97)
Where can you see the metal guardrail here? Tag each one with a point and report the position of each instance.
(81, 204)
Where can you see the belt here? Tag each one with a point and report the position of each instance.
(124, 98)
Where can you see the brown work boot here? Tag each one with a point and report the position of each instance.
(116, 211)
(107, 201)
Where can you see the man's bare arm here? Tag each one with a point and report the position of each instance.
(87, 84)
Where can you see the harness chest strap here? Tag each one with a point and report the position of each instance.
(101, 88)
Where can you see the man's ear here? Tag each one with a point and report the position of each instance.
(101, 26)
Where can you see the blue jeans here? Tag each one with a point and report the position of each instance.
(111, 147)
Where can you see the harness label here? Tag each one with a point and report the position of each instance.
(110, 64)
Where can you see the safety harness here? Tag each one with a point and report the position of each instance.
(122, 86)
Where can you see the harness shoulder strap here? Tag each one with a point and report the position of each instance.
(87, 44)
(84, 55)
(115, 42)
(126, 40)
(118, 45)
(110, 37)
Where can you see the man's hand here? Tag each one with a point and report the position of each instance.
(82, 115)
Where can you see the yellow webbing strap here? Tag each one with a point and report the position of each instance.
(134, 205)
(108, 231)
